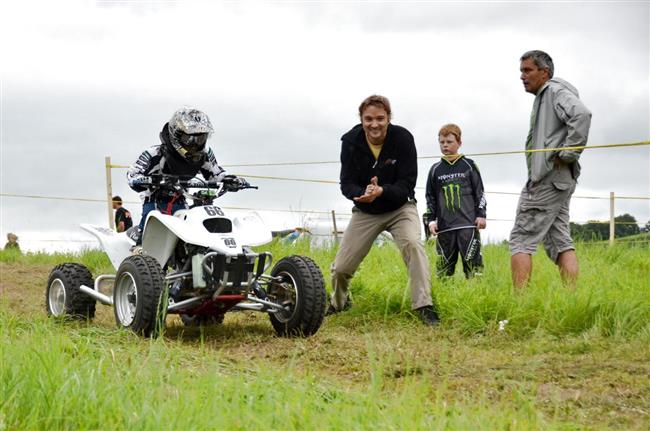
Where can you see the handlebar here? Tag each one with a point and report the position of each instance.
(230, 183)
(196, 183)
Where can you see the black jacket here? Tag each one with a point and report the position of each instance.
(455, 196)
(396, 169)
(122, 215)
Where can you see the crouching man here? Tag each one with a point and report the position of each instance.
(378, 173)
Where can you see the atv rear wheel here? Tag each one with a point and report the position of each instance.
(138, 296)
(302, 291)
(62, 295)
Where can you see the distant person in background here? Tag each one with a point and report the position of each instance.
(558, 119)
(12, 242)
(379, 170)
(296, 234)
(456, 206)
(123, 219)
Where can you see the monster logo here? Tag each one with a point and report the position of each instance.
(472, 249)
(452, 196)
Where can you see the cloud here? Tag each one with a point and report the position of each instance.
(282, 82)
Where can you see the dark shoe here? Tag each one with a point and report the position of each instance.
(331, 310)
(428, 315)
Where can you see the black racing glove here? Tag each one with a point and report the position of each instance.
(232, 183)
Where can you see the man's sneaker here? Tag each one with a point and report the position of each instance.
(428, 315)
(331, 310)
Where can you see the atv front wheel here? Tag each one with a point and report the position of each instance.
(302, 291)
(62, 295)
(138, 296)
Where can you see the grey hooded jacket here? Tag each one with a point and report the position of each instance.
(562, 121)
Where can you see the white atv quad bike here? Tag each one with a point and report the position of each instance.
(196, 263)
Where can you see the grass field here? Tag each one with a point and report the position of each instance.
(567, 359)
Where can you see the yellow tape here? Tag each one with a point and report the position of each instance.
(338, 214)
(497, 153)
(318, 181)
(52, 198)
(574, 196)
(288, 179)
(552, 150)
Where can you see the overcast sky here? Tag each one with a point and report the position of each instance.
(281, 81)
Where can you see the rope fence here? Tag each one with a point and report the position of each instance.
(63, 198)
(290, 211)
(494, 153)
(612, 222)
(109, 166)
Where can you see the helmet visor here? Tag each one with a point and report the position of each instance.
(193, 144)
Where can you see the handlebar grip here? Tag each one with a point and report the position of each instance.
(199, 184)
(145, 181)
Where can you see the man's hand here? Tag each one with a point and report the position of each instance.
(433, 228)
(558, 162)
(480, 223)
(373, 191)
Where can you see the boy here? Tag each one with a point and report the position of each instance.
(182, 151)
(456, 206)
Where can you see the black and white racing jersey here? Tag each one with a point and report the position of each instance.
(153, 161)
(158, 160)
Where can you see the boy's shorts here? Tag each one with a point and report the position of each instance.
(543, 215)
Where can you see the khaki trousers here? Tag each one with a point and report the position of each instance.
(363, 229)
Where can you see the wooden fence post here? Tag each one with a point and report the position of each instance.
(336, 230)
(612, 225)
(109, 192)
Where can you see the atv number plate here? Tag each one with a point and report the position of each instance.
(213, 211)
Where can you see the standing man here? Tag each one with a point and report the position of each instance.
(558, 119)
(123, 219)
(378, 173)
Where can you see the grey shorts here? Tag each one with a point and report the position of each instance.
(543, 215)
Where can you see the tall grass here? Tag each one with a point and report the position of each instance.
(612, 297)
(96, 260)
(98, 379)
(397, 375)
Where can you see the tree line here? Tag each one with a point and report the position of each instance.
(593, 230)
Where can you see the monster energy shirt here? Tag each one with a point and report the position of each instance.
(454, 193)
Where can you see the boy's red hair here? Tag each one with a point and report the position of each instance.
(450, 129)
